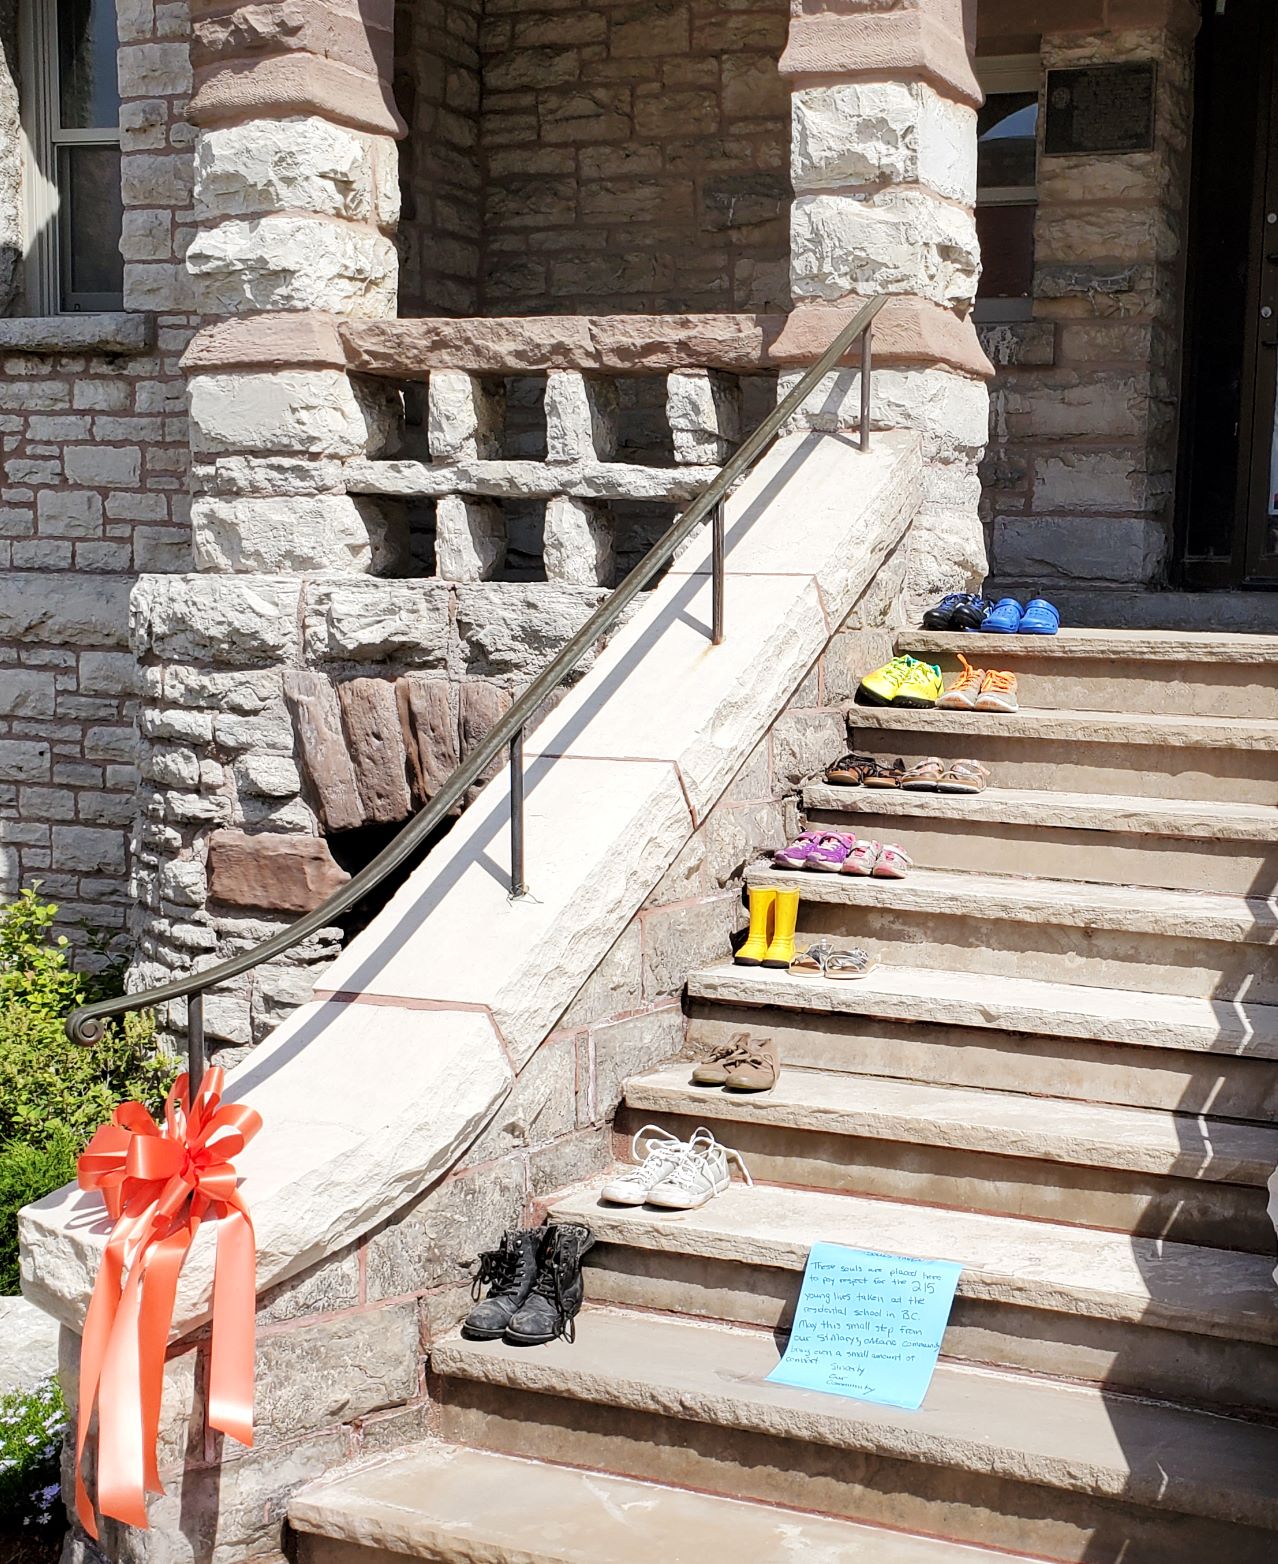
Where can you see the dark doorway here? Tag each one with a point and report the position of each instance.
(1228, 523)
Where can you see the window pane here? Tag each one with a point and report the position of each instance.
(90, 220)
(1007, 152)
(89, 90)
(1007, 251)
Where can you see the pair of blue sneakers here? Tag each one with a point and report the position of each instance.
(1007, 617)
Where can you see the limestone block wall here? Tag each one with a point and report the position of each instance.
(93, 490)
(290, 725)
(437, 87)
(1079, 477)
(634, 156)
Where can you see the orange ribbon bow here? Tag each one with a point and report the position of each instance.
(159, 1184)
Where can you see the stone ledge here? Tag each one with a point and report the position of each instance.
(908, 330)
(329, 1164)
(300, 339)
(527, 480)
(118, 331)
(621, 344)
(296, 83)
(893, 44)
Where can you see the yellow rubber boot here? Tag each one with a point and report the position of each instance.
(780, 951)
(755, 948)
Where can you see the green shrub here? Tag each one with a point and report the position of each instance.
(28, 1173)
(32, 1424)
(54, 1093)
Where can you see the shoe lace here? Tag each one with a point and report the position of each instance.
(1001, 683)
(900, 666)
(497, 1268)
(553, 1276)
(640, 1146)
(969, 677)
(702, 1150)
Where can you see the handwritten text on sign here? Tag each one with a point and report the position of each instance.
(869, 1325)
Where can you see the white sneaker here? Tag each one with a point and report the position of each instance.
(703, 1173)
(658, 1153)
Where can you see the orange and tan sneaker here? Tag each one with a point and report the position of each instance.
(963, 694)
(998, 693)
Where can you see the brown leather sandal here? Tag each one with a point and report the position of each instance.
(886, 776)
(924, 775)
(850, 770)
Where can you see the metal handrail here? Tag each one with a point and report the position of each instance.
(86, 1025)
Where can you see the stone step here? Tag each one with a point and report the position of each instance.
(1199, 820)
(1061, 1010)
(1170, 1320)
(1104, 936)
(1175, 647)
(1118, 670)
(1011, 1461)
(1125, 753)
(984, 1056)
(1208, 614)
(446, 1502)
(1189, 1178)
(1112, 848)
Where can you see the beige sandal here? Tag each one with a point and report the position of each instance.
(924, 775)
(964, 776)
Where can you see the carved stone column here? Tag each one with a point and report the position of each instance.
(883, 160)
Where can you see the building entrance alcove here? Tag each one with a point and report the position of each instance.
(613, 159)
(603, 159)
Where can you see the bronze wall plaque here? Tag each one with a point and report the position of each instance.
(1101, 108)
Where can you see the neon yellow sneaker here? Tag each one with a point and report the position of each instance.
(879, 688)
(922, 686)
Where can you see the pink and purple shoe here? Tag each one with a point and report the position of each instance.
(831, 853)
(796, 855)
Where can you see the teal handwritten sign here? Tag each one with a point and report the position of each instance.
(869, 1325)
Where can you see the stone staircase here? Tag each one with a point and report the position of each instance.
(1064, 1075)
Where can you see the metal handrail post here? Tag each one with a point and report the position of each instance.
(518, 884)
(195, 1041)
(867, 370)
(716, 576)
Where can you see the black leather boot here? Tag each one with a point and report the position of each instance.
(509, 1273)
(556, 1296)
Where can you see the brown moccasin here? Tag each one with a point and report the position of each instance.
(757, 1071)
(713, 1070)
